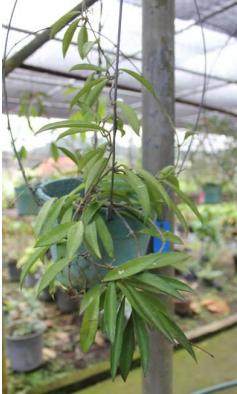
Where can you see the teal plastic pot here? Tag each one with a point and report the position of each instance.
(84, 273)
(25, 202)
(212, 193)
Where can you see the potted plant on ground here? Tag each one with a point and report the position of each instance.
(98, 225)
(24, 333)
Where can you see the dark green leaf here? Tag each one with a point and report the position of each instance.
(89, 297)
(54, 235)
(91, 239)
(142, 339)
(118, 340)
(141, 80)
(110, 311)
(177, 284)
(105, 235)
(88, 66)
(127, 351)
(90, 323)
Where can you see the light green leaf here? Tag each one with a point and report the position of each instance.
(54, 235)
(91, 239)
(95, 173)
(89, 84)
(130, 115)
(177, 284)
(140, 189)
(118, 340)
(141, 80)
(42, 215)
(90, 323)
(54, 151)
(74, 238)
(87, 47)
(67, 216)
(95, 93)
(57, 26)
(142, 339)
(51, 215)
(105, 235)
(67, 39)
(127, 351)
(81, 40)
(22, 153)
(88, 66)
(32, 258)
(51, 272)
(73, 156)
(110, 311)
(89, 297)
(70, 123)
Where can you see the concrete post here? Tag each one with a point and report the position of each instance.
(158, 146)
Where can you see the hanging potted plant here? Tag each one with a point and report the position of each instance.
(98, 225)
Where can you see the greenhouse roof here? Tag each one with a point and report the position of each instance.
(215, 56)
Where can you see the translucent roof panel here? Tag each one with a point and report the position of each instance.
(47, 71)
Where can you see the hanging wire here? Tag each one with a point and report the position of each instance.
(21, 167)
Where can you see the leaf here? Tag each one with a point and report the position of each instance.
(42, 215)
(141, 80)
(127, 351)
(54, 151)
(140, 189)
(142, 339)
(89, 324)
(188, 134)
(87, 66)
(22, 153)
(52, 272)
(150, 261)
(159, 233)
(154, 283)
(72, 124)
(50, 217)
(95, 173)
(89, 297)
(73, 156)
(87, 47)
(95, 93)
(86, 89)
(67, 216)
(186, 199)
(91, 239)
(81, 40)
(110, 311)
(33, 257)
(54, 235)
(177, 284)
(62, 22)
(74, 238)
(67, 39)
(105, 235)
(130, 115)
(118, 340)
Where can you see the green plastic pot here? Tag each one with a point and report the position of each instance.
(25, 202)
(83, 273)
(212, 193)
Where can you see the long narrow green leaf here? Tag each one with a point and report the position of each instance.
(51, 273)
(95, 93)
(52, 215)
(88, 66)
(89, 84)
(141, 80)
(90, 323)
(130, 115)
(81, 40)
(142, 339)
(74, 238)
(62, 22)
(67, 39)
(160, 233)
(73, 156)
(91, 239)
(54, 235)
(42, 215)
(110, 311)
(95, 173)
(118, 340)
(70, 123)
(127, 350)
(177, 284)
(105, 235)
(87, 47)
(140, 189)
(89, 297)
(32, 258)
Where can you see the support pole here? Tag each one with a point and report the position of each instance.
(158, 146)
(40, 39)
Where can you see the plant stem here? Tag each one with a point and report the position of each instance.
(115, 106)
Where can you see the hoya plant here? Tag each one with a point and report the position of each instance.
(98, 226)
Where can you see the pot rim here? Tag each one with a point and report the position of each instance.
(40, 330)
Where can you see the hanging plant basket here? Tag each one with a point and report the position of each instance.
(25, 202)
(212, 193)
